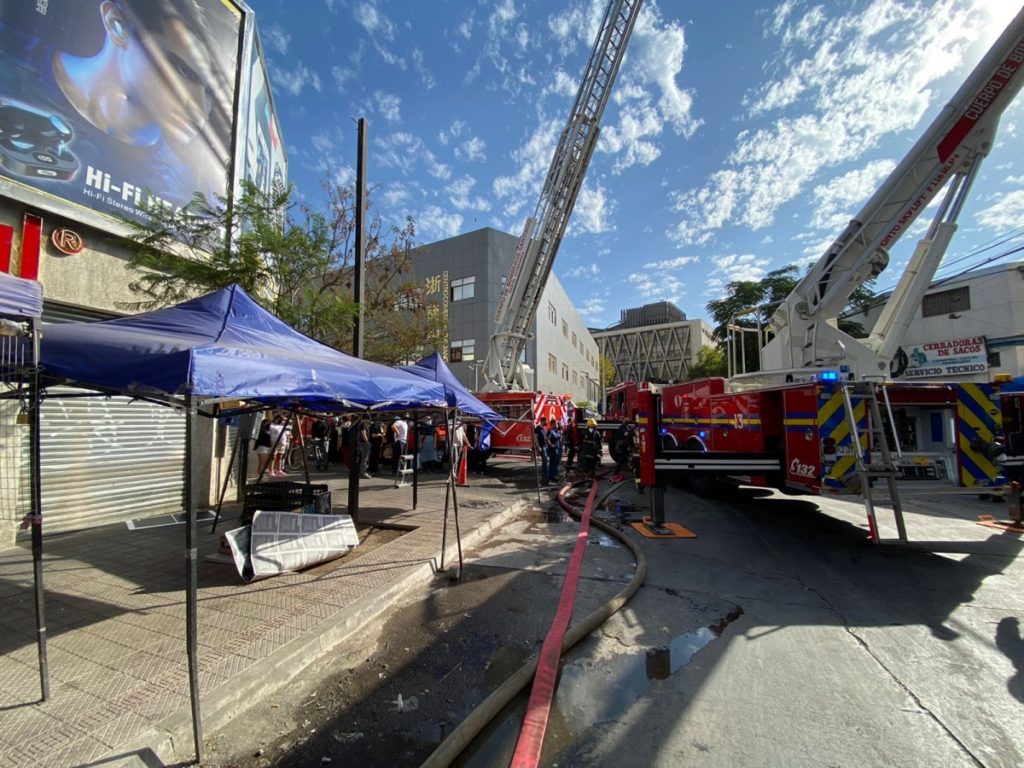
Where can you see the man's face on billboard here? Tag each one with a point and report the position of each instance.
(166, 70)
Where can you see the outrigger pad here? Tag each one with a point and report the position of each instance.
(665, 531)
(1005, 525)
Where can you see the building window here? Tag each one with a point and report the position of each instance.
(552, 364)
(946, 302)
(565, 372)
(462, 351)
(552, 314)
(463, 288)
(574, 339)
(575, 378)
(565, 330)
(995, 360)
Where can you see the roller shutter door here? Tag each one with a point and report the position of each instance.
(109, 459)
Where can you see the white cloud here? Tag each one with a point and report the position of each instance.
(388, 105)
(472, 149)
(592, 309)
(295, 80)
(452, 132)
(460, 197)
(839, 199)
(403, 151)
(1005, 214)
(373, 20)
(676, 263)
(437, 224)
(584, 270)
(846, 83)
(276, 38)
(663, 287)
(593, 211)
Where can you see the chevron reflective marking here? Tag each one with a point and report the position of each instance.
(978, 419)
(834, 424)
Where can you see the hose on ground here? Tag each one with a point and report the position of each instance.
(457, 741)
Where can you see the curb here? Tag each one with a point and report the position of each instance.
(171, 740)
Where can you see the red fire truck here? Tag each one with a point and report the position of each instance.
(521, 411)
(809, 419)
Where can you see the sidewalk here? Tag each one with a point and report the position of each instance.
(116, 620)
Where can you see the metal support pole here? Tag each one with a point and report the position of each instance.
(192, 581)
(415, 458)
(36, 511)
(353, 471)
(360, 254)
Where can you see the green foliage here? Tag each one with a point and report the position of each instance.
(710, 362)
(296, 261)
(605, 370)
(751, 304)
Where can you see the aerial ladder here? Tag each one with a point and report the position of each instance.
(809, 365)
(949, 153)
(542, 234)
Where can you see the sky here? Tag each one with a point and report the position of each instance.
(740, 136)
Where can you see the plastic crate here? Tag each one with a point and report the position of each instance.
(286, 497)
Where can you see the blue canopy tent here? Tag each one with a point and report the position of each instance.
(222, 346)
(433, 368)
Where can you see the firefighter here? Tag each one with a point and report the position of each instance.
(590, 449)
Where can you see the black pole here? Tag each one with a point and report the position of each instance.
(360, 254)
(353, 471)
(36, 511)
(227, 479)
(415, 458)
(192, 582)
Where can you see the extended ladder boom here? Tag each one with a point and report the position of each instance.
(949, 152)
(543, 232)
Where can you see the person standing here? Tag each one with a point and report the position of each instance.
(590, 449)
(264, 446)
(554, 449)
(400, 429)
(376, 446)
(460, 444)
(540, 444)
(363, 447)
(571, 439)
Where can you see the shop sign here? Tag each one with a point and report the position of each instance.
(67, 241)
(953, 357)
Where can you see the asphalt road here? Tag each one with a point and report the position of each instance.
(778, 637)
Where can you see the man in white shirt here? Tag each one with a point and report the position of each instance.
(400, 428)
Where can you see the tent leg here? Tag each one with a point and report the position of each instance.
(458, 533)
(353, 472)
(36, 511)
(191, 583)
(415, 458)
(227, 479)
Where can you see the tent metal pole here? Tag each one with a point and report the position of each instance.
(227, 479)
(415, 458)
(353, 470)
(36, 511)
(192, 581)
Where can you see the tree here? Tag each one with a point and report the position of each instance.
(750, 304)
(710, 362)
(295, 260)
(605, 370)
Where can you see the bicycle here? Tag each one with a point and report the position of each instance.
(316, 455)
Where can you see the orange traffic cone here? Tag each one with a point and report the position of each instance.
(462, 477)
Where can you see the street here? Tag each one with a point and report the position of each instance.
(778, 637)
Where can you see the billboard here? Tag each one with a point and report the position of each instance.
(262, 158)
(109, 105)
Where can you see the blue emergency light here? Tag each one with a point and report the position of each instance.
(829, 376)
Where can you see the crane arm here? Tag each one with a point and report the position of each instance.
(543, 232)
(950, 150)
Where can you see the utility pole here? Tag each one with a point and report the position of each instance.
(360, 255)
(357, 296)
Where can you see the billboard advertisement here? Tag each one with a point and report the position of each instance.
(262, 161)
(109, 105)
